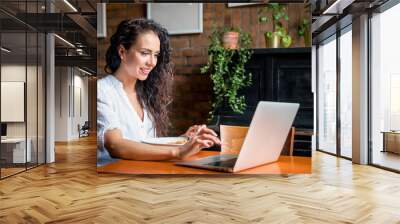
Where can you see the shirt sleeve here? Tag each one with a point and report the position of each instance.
(107, 118)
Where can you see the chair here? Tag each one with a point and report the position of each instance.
(232, 138)
(84, 130)
(288, 146)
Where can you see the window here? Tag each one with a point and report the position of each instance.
(385, 85)
(346, 75)
(327, 95)
(22, 67)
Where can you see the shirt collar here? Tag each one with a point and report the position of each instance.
(115, 82)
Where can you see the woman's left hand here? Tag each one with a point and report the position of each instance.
(191, 132)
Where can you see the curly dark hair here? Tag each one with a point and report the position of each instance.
(154, 93)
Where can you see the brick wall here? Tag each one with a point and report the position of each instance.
(193, 91)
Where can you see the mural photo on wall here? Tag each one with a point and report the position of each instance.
(156, 99)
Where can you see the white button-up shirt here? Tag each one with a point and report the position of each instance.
(114, 110)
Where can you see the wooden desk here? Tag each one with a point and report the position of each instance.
(285, 165)
(391, 141)
(13, 150)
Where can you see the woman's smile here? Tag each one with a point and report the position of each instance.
(145, 71)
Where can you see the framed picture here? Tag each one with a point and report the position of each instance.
(177, 18)
(241, 4)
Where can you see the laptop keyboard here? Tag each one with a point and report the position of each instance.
(224, 163)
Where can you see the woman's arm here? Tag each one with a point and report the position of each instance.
(122, 148)
(127, 149)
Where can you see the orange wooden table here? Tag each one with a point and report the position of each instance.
(285, 165)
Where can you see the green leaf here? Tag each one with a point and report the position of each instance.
(268, 34)
(286, 41)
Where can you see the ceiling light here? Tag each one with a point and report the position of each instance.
(70, 5)
(5, 50)
(65, 41)
(84, 71)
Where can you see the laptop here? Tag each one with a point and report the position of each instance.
(263, 143)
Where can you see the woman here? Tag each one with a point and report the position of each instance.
(132, 101)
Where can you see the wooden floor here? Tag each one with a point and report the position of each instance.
(386, 159)
(70, 191)
(10, 171)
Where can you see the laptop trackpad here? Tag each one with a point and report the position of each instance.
(220, 160)
(223, 163)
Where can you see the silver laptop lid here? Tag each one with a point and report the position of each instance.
(267, 134)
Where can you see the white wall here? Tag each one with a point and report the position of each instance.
(71, 102)
(12, 73)
(62, 81)
(34, 125)
(80, 110)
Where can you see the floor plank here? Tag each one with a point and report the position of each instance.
(70, 191)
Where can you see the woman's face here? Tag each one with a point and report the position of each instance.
(141, 57)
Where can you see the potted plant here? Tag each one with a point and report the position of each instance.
(226, 69)
(278, 13)
(286, 39)
(230, 38)
(303, 29)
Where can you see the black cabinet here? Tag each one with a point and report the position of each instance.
(282, 75)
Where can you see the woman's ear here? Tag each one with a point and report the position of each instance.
(121, 51)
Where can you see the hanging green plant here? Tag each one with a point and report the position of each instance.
(226, 69)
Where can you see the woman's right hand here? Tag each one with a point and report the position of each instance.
(204, 139)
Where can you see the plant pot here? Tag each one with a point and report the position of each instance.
(286, 41)
(307, 38)
(272, 42)
(230, 40)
